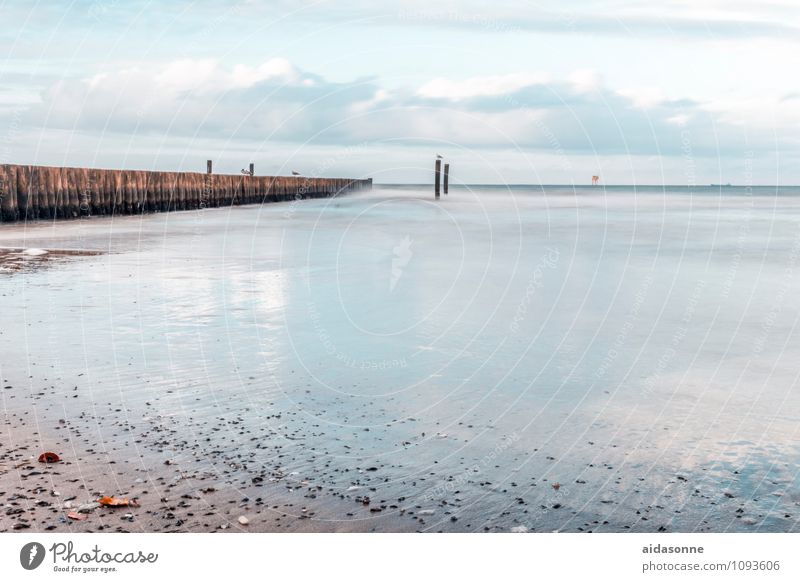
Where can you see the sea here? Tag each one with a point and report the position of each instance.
(503, 358)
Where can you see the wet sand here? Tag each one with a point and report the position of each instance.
(498, 362)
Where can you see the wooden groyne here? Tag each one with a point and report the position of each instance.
(33, 192)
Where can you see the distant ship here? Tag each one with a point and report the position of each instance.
(728, 185)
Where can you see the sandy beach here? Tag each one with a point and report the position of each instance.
(528, 360)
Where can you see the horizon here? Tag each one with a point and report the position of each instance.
(453, 184)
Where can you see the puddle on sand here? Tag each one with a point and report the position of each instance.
(15, 260)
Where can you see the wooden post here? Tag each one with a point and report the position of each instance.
(446, 176)
(252, 169)
(438, 177)
(208, 167)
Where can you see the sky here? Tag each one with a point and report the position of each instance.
(671, 92)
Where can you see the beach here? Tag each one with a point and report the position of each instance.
(528, 359)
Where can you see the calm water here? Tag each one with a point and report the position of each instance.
(636, 348)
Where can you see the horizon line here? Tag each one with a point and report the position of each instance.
(598, 186)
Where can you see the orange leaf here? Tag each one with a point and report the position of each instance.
(117, 502)
(49, 458)
(77, 516)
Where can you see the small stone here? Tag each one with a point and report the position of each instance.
(243, 520)
(87, 507)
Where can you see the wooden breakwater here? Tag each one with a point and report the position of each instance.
(33, 192)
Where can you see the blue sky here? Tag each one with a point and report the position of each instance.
(678, 92)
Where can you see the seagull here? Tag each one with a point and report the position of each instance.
(295, 173)
(438, 157)
(246, 172)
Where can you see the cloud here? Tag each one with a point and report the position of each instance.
(455, 90)
(186, 101)
(201, 97)
(676, 18)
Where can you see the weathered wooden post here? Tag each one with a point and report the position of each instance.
(208, 167)
(438, 177)
(252, 169)
(446, 176)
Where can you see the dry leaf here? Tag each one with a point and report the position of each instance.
(556, 486)
(117, 502)
(49, 458)
(77, 516)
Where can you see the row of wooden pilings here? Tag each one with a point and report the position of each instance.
(33, 192)
(437, 179)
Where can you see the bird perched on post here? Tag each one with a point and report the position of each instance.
(438, 157)
(246, 172)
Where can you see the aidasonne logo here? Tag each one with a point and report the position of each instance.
(66, 559)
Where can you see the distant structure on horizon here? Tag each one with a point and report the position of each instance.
(595, 180)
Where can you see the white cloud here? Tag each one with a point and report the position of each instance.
(183, 101)
(680, 119)
(281, 69)
(586, 80)
(188, 75)
(457, 90)
(644, 97)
